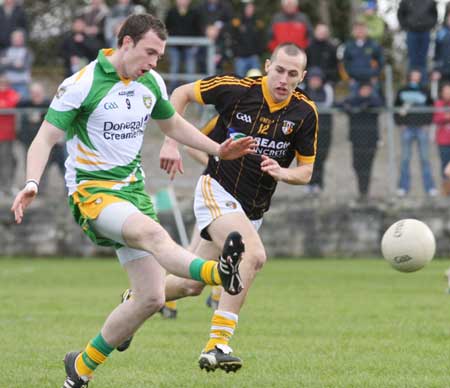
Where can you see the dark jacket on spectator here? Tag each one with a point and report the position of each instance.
(215, 12)
(189, 24)
(363, 62)
(413, 96)
(442, 52)
(322, 54)
(417, 15)
(16, 20)
(363, 116)
(323, 98)
(30, 121)
(290, 28)
(87, 50)
(247, 36)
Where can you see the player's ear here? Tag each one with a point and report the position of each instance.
(267, 65)
(127, 41)
(303, 76)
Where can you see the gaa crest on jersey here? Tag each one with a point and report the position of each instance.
(147, 101)
(61, 90)
(288, 127)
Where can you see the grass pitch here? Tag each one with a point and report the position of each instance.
(307, 323)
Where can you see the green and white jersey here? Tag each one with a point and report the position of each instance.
(104, 118)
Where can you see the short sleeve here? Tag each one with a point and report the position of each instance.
(221, 91)
(306, 139)
(163, 109)
(65, 105)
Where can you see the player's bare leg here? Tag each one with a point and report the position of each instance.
(146, 277)
(175, 259)
(217, 353)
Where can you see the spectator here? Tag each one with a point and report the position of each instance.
(247, 43)
(114, 19)
(414, 128)
(441, 118)
(216, 16)
(94, 15)
(30, 122)
(218, 12)
(8, 99)
(364, 133)
(290, 25)
(77, 48)
(323, 95)
(363, 59)
(375, 23)
(417, 18)
(322, 53)
(16, 62)
(12, 17)
(441, 68)
(183, 20)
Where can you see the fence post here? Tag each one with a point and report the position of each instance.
(390, 129)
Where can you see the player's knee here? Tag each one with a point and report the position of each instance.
(193, 288)
(150, 304)
(257, 257)
(155, 235)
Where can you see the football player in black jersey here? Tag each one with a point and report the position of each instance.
(235, 194)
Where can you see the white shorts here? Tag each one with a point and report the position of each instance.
(109, 224)
(212, 201)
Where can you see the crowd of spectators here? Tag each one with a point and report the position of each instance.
(343, 75)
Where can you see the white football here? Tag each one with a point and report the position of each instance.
(408, 245)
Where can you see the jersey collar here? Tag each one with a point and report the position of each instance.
(104, 63)
(107, 66)
(273, 106)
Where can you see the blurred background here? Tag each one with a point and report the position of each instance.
(379, 72)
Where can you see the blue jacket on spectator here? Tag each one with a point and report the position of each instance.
(363, 61)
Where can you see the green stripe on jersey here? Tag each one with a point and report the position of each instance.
(118, 173)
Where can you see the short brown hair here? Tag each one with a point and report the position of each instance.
(290, 49)
(136, 26)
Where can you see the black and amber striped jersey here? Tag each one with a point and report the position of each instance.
(283, 131)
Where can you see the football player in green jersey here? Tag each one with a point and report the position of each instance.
(102, 113)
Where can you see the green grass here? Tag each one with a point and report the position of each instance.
(307, 323)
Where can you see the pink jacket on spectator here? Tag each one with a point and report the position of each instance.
(442, 121)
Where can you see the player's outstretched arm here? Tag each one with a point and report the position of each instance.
(300, 175)
(37, 157)
(183, 132)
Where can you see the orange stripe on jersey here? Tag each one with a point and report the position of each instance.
(305, 159)
(198, 93)
(316, 129)
(209, 199)
(224, 78)
(88, 153)
(80, 73)
(206, 85)
(224, 83)
(87, 161)
(219, 81)
(108, 52)
(209, 126)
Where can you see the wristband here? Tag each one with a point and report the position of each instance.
(32, 181)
